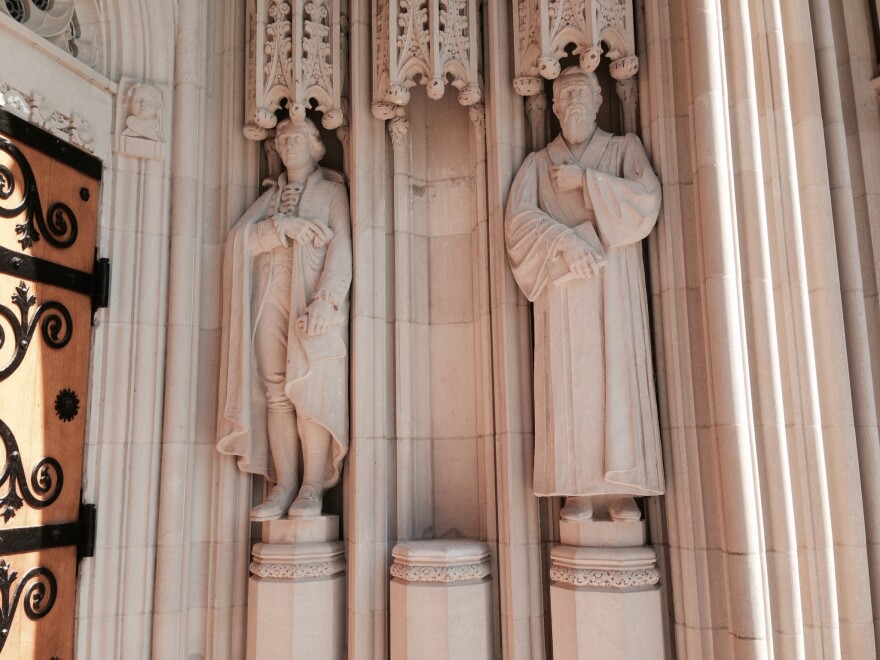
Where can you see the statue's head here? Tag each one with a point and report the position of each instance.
(143, 101)
(577, 98)
(298, 143)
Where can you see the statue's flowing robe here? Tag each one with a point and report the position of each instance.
(318, 389)
(596, 427)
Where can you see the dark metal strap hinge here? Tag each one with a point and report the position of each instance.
(100, 284)
(88, 526)
(96, 284)
(58, 535)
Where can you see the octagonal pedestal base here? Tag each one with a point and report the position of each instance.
(605, 604)
(441, 601)
(296, 592)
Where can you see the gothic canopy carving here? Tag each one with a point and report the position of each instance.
(297, 52)
(545, 28)
(434, 42)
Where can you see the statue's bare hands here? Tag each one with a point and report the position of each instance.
(580, 259)
(568, 177)
(322, 233)
(301, 230)
(320, 316)
(292, 227)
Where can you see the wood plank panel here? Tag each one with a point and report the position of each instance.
(45, 339)
(50, 635)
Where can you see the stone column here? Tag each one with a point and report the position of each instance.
(296, 592)
(441, 600)
(605, 600)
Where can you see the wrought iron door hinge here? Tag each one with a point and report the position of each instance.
(57, 535)
(96, 284)
(100, 284)
(88, 525)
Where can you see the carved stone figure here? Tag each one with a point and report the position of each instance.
(143, 104)
(576, 215)
(284, 381)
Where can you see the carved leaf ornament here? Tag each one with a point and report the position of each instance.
(546, 28)
(296, 53)
(431, 42)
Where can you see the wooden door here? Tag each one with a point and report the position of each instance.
(48, 278)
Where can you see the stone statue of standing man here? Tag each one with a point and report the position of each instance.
(577, 213)
(284, 364)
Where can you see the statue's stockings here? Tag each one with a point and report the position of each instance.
(285, 430)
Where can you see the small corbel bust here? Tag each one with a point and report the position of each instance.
(143, 105)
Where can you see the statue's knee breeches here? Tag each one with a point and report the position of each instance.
(270, 345)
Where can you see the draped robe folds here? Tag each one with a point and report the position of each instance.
(318, 389)
(596, 427)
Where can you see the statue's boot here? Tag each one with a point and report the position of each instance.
(284, 446)
(316, 452)
(577, 507)
(624, 509)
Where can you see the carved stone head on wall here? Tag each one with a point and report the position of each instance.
(143, 105)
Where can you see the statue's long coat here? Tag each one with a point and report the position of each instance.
(318, 389)
(596, 428)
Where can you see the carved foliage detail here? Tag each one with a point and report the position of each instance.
(546, 28)
(35, 109)
(460, 573)
(435, 42)
(611, 13)
(297, 570)
(296, 55)
(588, 577)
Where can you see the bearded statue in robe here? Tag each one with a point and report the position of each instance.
(284, 365)
(577, 213)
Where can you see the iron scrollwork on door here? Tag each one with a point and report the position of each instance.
(58, 226)
(47, 479)
(56, 327)
(38, 600)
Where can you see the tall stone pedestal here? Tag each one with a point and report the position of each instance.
(441, 601)
(605, 601)
(296, 592)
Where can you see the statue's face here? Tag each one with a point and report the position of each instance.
(576, 108)
(294, 148)
(143, 106)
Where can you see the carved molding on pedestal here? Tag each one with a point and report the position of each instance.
(462, 573)
(545, 28)
(435, 42)
(441, 561)
(632, 568)
(35, 109)
(586, 577)
(298, 561)
(293, 570)
(297, 53)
